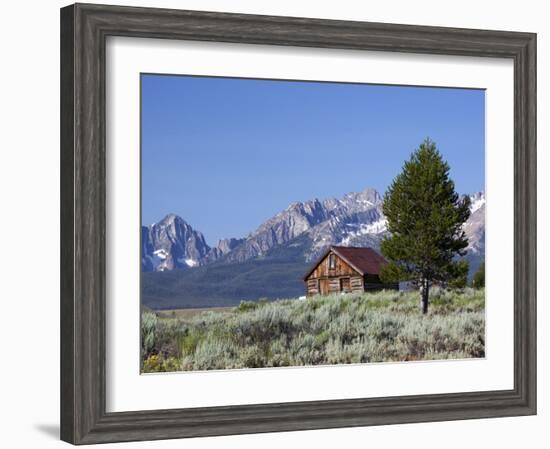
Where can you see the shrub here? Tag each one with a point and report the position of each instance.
(156, 364)
(478, 280)
(354, 328)
(148, 331)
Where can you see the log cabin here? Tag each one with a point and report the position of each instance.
(346, 269)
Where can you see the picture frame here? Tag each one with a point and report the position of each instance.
(84, 29)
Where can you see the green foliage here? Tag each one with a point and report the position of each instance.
(245, 306)
(478, 280)
(189, 342)
(148, 330)
(392, 272)
(459, 279)
(156, 364)
(352, 328)
(425, 217)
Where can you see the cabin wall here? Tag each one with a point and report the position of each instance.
(312, 287)
(357, 284)
(342, 269)
(343, 278)
(324, 281)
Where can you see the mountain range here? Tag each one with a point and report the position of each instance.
(283, 246)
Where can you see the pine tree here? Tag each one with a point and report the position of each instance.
(461, 277)
(479, 277)
(425, 217)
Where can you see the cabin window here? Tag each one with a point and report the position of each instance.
(331, 262)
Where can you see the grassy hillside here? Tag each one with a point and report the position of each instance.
(222, 285)
(354, 328)
(279, 274)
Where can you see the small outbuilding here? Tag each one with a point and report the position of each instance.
(346, 269)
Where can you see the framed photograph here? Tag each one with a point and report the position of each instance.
(275, 223)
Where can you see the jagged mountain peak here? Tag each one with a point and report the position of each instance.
(367, 196)
(356, 219)
(172, 218)
(172, 244)
(299, 205)
(320, 220)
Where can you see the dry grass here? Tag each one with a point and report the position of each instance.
(353, 328)
(185, 314)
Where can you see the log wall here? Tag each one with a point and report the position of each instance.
(342, 278)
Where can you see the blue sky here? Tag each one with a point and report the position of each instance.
(227, 154)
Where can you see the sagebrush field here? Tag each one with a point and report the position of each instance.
(352, 328)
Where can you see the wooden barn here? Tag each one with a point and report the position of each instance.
(346, 269)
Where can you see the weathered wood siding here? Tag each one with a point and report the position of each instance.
(323, 286)
(312, 287)
(357, 284)
(345, 284)
(324, 280)
(342, 278)
(334, 285)
(322, 270)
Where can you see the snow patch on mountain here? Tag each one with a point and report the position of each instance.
(477, 201)
(475, 226)
(356, 219)
(172, 244)
(376, 227)
(161, 253)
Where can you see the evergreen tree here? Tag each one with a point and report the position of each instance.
(425, 217)
(461, 279)
(479, 277)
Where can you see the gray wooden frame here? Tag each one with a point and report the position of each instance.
(84, 29)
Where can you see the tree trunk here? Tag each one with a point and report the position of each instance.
(425, 292)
